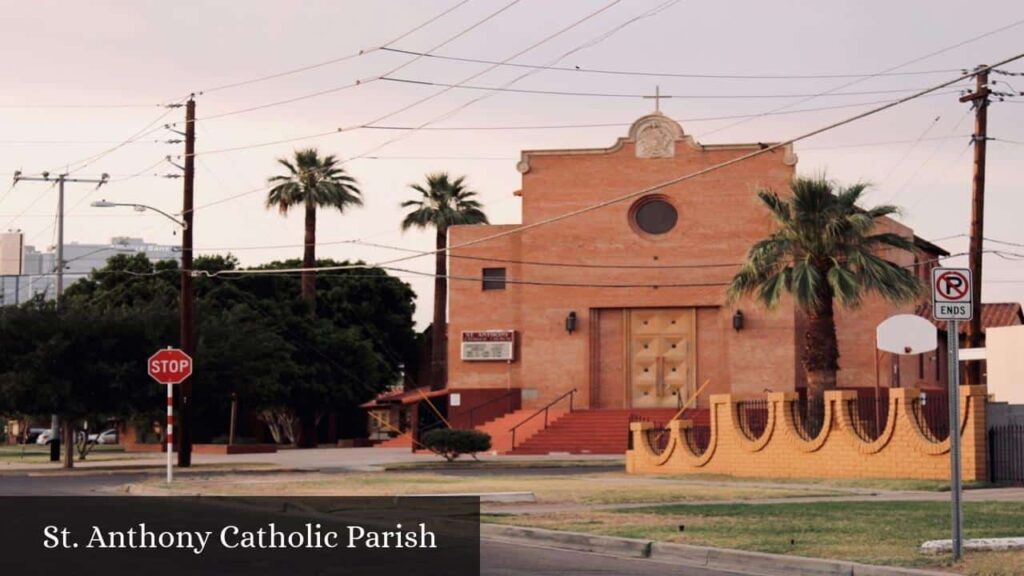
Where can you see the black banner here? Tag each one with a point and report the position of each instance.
(144, 536)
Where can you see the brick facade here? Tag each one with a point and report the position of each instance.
(719, 218)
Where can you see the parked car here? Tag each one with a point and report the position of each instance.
(105, 437)
(46, 436)
(33, 434)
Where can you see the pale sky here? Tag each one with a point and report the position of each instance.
(102, 52)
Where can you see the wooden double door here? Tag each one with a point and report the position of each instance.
(655, 363)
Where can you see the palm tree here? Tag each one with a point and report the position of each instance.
(312, 181)
(442, 203)
(824, 250)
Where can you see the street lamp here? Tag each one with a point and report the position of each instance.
(140, 208)
(186, 298)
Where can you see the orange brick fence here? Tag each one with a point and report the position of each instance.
(903, 449)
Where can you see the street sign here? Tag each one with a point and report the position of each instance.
(952, 301)
(170, 366)
(951, 294)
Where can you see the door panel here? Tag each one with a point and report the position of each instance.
(662, 355)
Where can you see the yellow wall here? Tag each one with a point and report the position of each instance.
(902, 450)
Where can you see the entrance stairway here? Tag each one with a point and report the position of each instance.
(501, 437)
(594, 431)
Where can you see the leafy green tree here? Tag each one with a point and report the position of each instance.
(824, 249)
(443, 202)
(77, 363)
(312, 181)
(257, 340)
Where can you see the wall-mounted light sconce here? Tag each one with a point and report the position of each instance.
(570, 322)
(737, 320)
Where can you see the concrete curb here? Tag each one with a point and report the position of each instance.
(702, 556)
(627, 547)
(946, 546)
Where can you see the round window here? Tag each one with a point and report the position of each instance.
(654, 215)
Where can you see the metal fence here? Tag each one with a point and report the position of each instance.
(698, 438)
(931, 410)
(1006, 454)
(870, 413)
(753, 417)
(809, 416)
(657, 438)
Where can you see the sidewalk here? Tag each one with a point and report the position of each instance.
(312, 460)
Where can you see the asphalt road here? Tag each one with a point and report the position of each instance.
(23, 484)
(498, 558)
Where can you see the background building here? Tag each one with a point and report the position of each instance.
(38, 269)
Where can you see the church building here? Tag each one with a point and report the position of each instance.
(627, 303)
(622, 310)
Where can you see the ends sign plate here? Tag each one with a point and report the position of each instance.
(951, 294)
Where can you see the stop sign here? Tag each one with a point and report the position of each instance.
(170, 366)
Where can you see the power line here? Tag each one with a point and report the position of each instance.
(76, 106)
(365, 80)
(583, 70)
(547, 127)
(886, 71)
(650, 189)
(336, 60)
(926, 161)
(470, 78)
(592, 42)
(643, 96)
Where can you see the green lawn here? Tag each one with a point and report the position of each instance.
(871, 532)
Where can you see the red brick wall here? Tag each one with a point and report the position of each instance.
(720, 217)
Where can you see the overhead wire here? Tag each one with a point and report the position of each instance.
(584, 70)
(338, 59)
(689, 176)
(885, 71)
(935, 150)
(722, 96)
(360, 82)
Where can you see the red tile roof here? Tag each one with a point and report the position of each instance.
(993, 315)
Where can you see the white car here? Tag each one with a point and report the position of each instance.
(46, 436)
(105, 437)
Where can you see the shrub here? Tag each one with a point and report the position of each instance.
(452, 443)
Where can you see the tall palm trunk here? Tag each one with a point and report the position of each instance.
(307, 421)
(439, 331)
(309, 256)
(821, 349)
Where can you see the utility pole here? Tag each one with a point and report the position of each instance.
(59, 269)
(979, 100)
(186, 297)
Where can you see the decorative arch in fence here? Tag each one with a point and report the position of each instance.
(841, 445)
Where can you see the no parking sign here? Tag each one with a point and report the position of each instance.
(951, 294)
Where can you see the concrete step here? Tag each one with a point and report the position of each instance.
(596, 431)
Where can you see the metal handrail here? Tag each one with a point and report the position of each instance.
(509, 394)
(570, 394)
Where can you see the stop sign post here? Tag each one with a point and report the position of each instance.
(170, 366)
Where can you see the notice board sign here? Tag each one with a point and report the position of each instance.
(489, 345)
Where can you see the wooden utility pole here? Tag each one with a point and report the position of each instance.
(60, 180)
(978, 99)
(186, 297)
